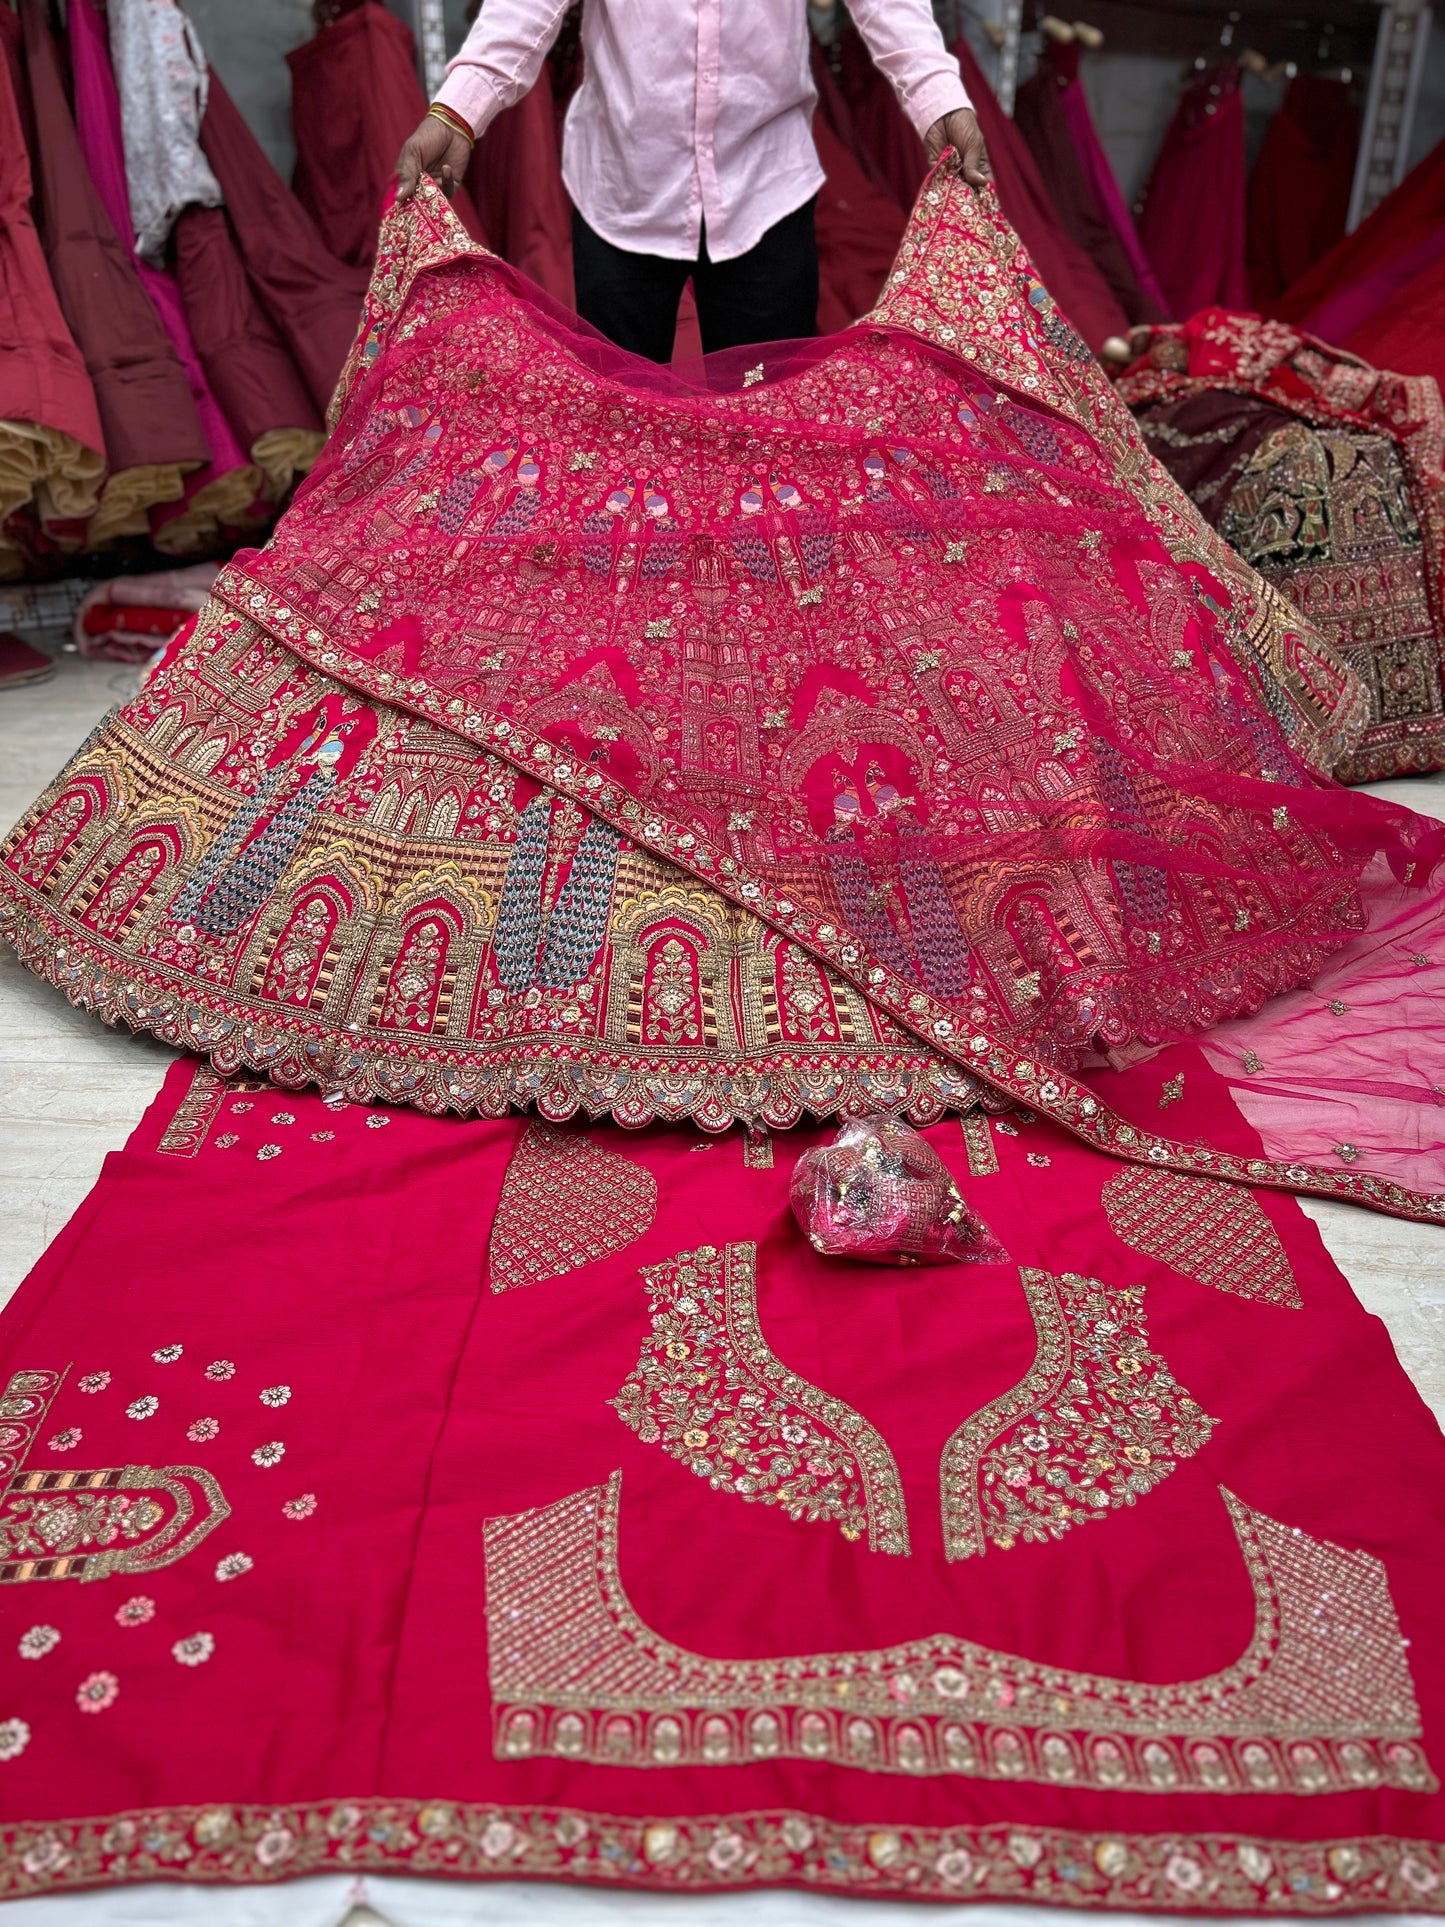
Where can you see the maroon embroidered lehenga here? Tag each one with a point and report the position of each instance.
(874, 726)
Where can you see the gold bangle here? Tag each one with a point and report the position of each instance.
(449, 118)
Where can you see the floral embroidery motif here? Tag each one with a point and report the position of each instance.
(301, 1507)
(39, 1641)
(269, 1454)
(167, 1354)
(711, 1391)
(757, 1151)
(275, 1395)
(233, 1565)
(565, 1202)
(194, 1650)
(269, 1151)
(1098, 1422)
(14, 1738)
(1234, 1874)
(221, 1369)
(136, 1611)
(978, 1145)
(86, 1525)
(67, 1440)
(96, 1692)
(1320, 1700)
(1217, 1233)
(194, 1115)
(93, 1382)
(203, 1430)
(146, 1407)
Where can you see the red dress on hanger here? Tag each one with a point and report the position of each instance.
(355, 97)
(1193, 221)
(1039, 116)
(1405, 219)
(313, 300)
(859, 223)
(1299, 193)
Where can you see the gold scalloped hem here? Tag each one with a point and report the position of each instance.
(284, 456)
(559, 1077)
(128, 497)
(228, 502)
(1178, 1872)
(33, 456)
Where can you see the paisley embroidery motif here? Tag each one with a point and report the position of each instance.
(1320, 1700)
(709, 1389)
(1217, 1233)
(564, 1202)
(1096, 1424)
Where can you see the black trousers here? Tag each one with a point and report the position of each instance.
(768, 294)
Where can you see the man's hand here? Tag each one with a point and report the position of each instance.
(434, 149)
(961, 131)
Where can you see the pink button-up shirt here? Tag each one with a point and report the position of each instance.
(692, 111)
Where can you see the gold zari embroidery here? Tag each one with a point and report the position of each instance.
(565, 1201)
(1214, 1232)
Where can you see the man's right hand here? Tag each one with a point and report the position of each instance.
(434, 149)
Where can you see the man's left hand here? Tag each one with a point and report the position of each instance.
(960, 130)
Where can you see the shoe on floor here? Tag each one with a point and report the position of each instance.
(19, 663)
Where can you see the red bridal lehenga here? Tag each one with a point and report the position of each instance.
(866, 725)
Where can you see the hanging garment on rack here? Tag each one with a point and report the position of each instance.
(1066, 270)
(224, 492)
(1407, 217)
(50, 434)
(313, 300)
(355, 97)
(859, 224)
(882, 129)
(160, 76)
(1299, 193)
(1048, 130)
(1099, 171)
(516, 180)
(254, 380)
(1193, 221)
(1340, 316)
(148, 421)
(1329, 479)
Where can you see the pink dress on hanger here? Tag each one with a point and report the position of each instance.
(1193, 223)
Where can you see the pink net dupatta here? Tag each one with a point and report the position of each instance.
(899, 640)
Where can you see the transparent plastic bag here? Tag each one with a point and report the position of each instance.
(881, 1193)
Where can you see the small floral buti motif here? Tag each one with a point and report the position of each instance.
(194, 1650)
(377, 1121)
(219, 1370)
(275, 1395)
(94, 1381)
(225, 1140)
(269, 1151)
(146, 1407)
(167, 1354)
(233, 1565)
(135, 1611)
(96, 1692)
(203, 1430)
(14, 1738)
(39, 1641)
(301, 1507)
(1098, 1422)
(709, 1389)
(271, 1453)
(67, 1440)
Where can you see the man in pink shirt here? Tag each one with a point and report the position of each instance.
(689, 150)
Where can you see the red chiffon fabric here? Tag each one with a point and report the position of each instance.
(1193, 221)
(1407, 332)
(311, 299)
(355, 97)
(1408, 216)
(1299, 192)
(1066, 270)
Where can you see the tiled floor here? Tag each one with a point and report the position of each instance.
(70, 1091)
